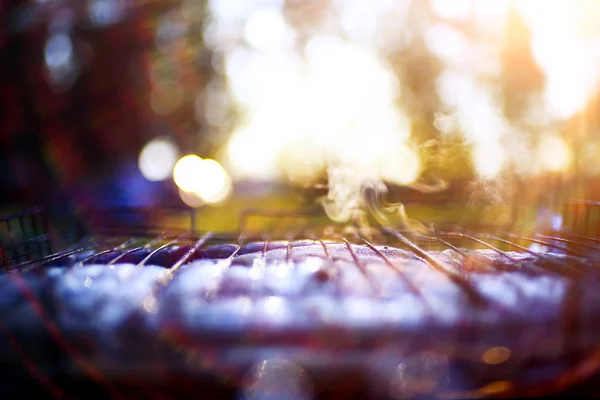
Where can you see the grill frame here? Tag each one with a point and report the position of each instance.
(492, 239)
(36, 245)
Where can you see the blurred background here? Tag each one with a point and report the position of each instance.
(223, 105)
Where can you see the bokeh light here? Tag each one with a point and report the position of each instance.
(266, 29)
(157, 159)
(186, 172)
(60, 60)
(201, 181)
(166, 97)
(488, 159)
(214, 185)
(496, 355)
(105, 12)
(420, 374)
(191, 199)
(401, 167)
(318, 93)
(357, 91)
(569, 59)
(59, 51)
(554, 153)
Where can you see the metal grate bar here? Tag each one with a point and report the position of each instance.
(78, 248)
(20, 228)
(474, 296)
(122, 246)
(327, 256)
(164, 246)
(146, 246)
(325, 250)
(571, 242)
(541, 242)
(263, 253)
(199, 243)
(574, 270)
(361, 267)
(451, 246)
(580, 237)
(411, 286)
(478, 241)
(29, 211)
(288, 250)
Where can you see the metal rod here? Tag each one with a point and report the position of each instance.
(411, 286)
(576, 271)
(442, 267)
(479, 241)
(361, 267)
(581, 237)
(288, 251)
(146, 246)
(452, 247)
(539, 241)
(170, 243)
(171, 272)
(32, 264)
(572, 242)
(28, 211)
(117, 248)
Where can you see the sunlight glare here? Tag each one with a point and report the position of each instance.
(266, 30)
(554, 153)
(569, 60)
(488, 159)
(400, 167)
(451, 9)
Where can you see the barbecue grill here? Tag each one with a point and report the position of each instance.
(150, 303)
(265, 351)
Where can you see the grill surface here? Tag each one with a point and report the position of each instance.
(316, 305)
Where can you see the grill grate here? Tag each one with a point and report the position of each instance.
(30, 245)
(547, 250)
(24, 236)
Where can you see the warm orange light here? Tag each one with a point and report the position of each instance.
(488, 159)
(201, 181)
(496, 355)
(191, 199)
(214, 184)
(554, 153)
(401, 167)
(186, 172)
